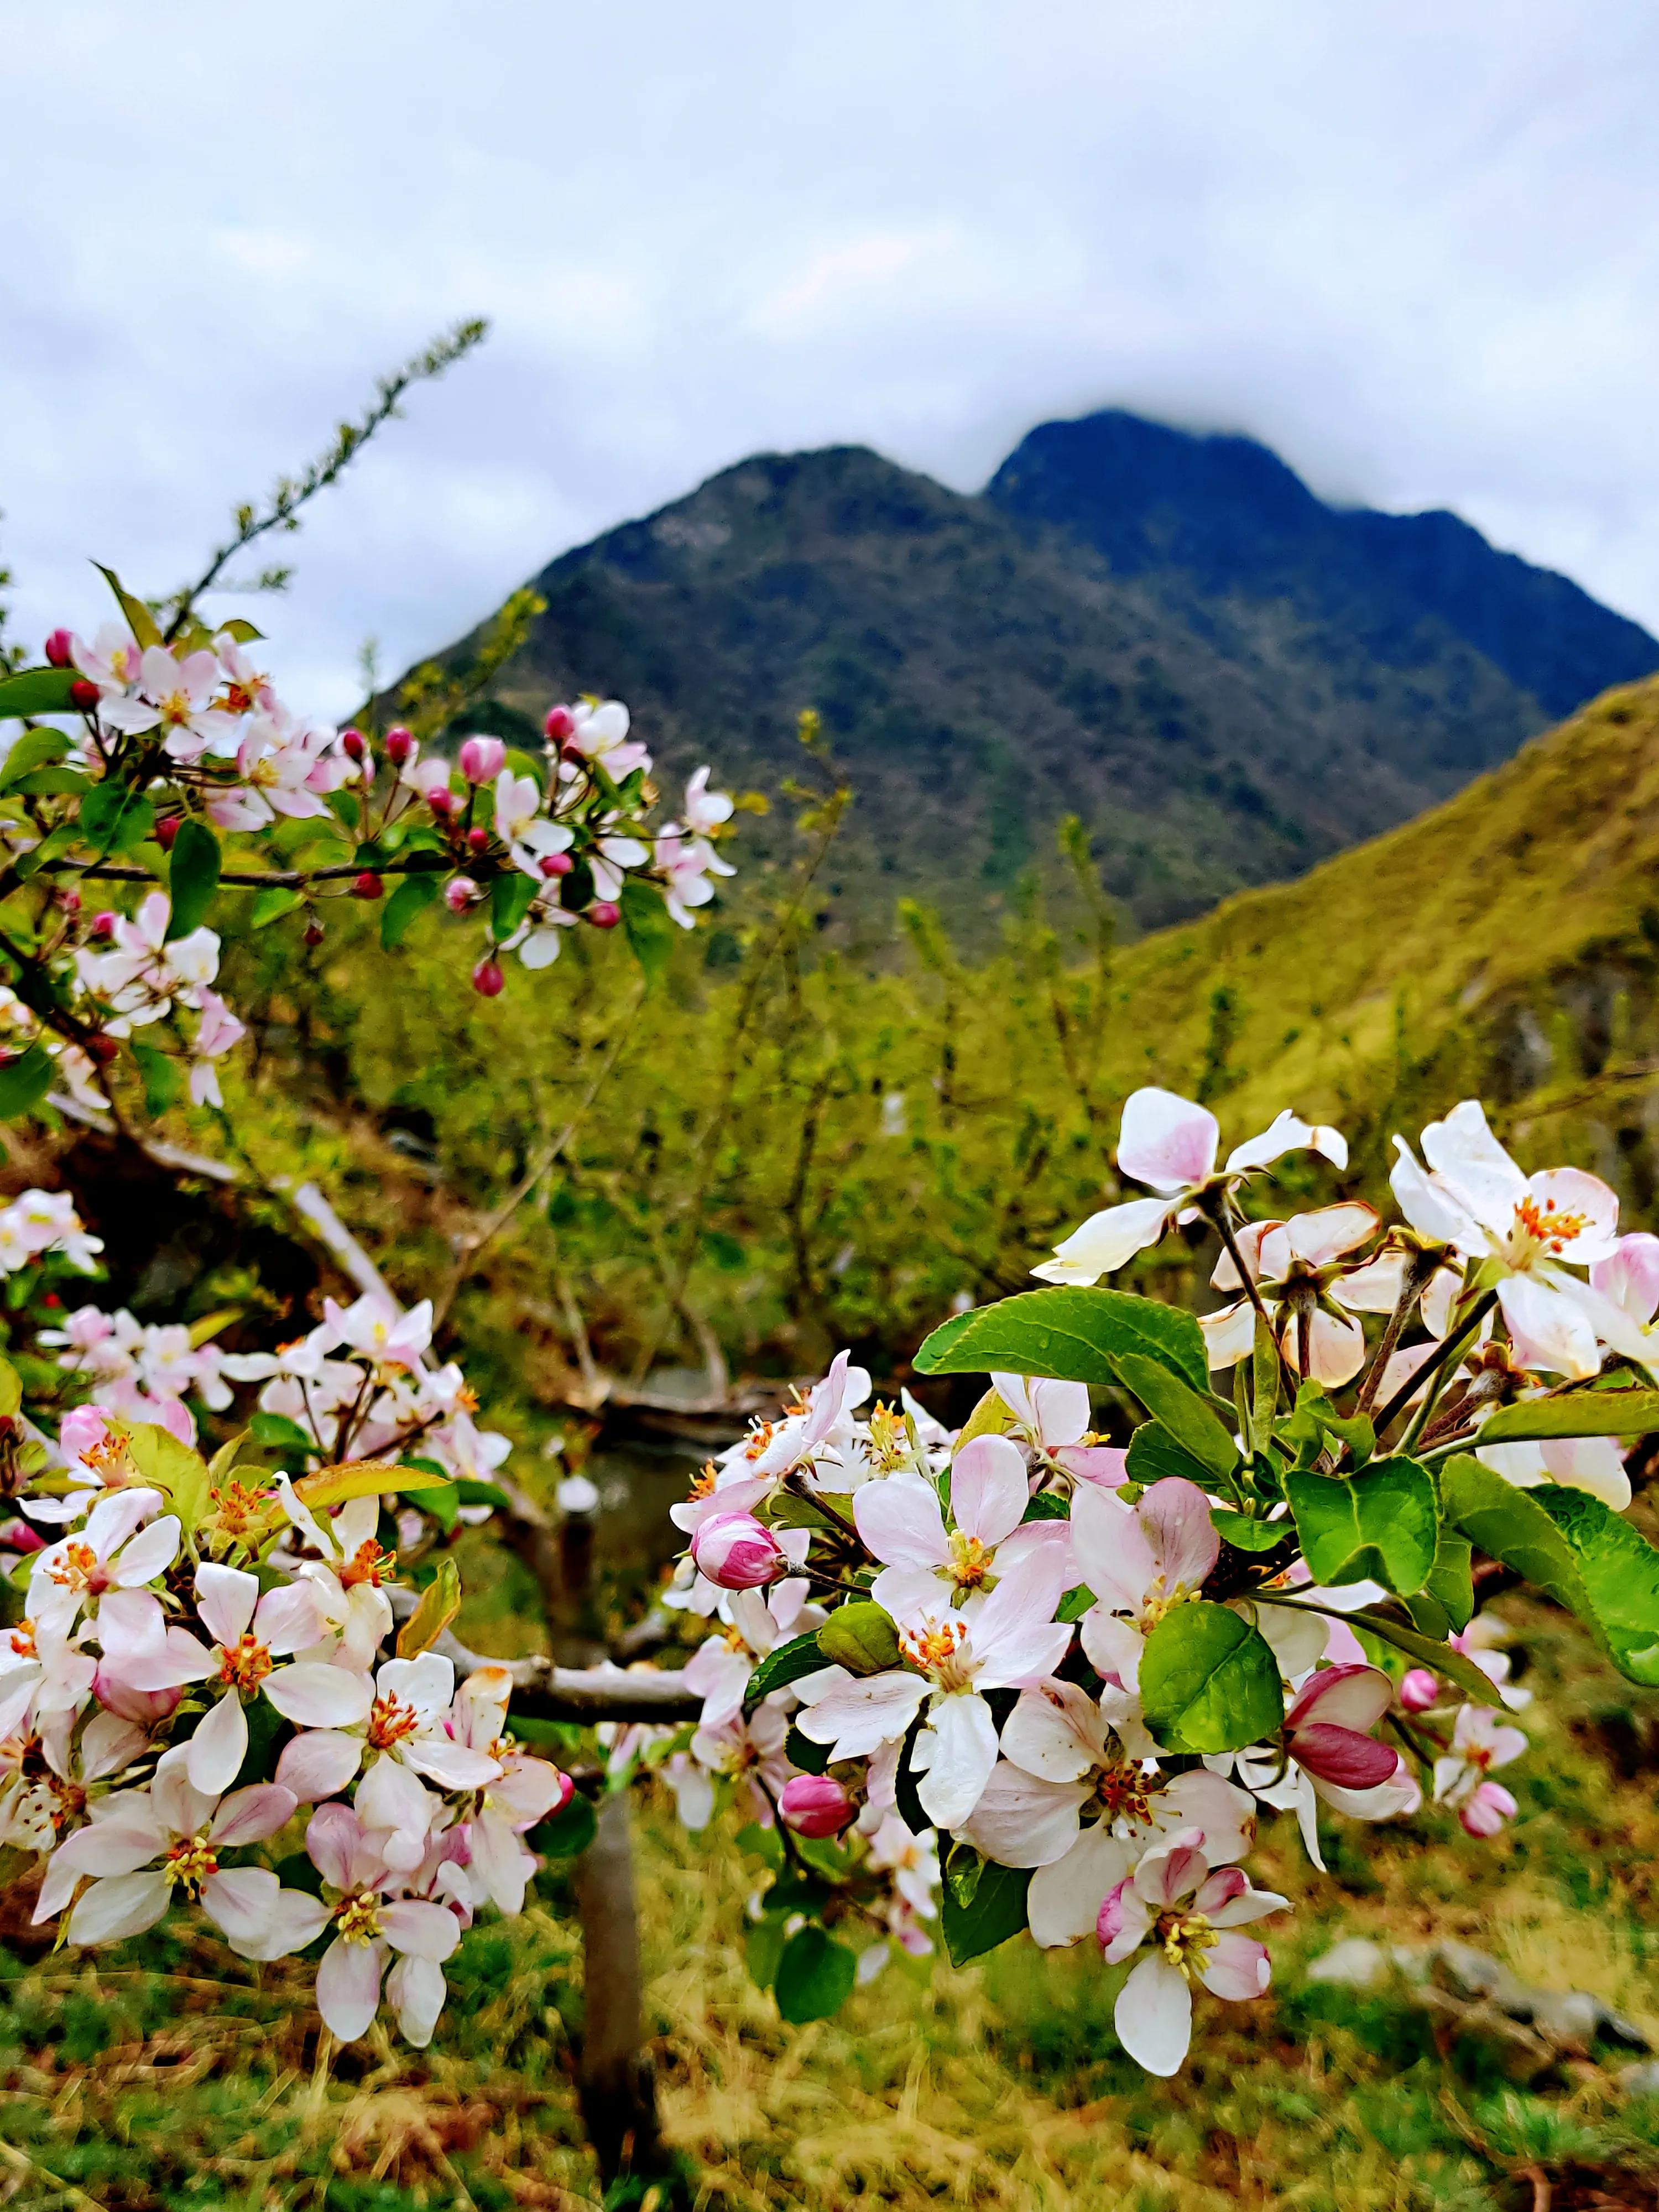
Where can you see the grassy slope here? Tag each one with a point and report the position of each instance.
(1535, 877)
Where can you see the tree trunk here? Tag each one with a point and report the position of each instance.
(614, 2081)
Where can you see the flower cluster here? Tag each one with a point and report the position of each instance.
(182, 741)
(1090, 1670)
(200, 1685)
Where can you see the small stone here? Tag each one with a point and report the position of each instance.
(1641, 2080)
(1356, 1964)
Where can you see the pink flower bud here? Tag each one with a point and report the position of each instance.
(567, 1791)
(488, 980)
(482, 759)
(556, 864)
(560, 724)
(737, 1552)
(144, 1706)
(399, 744)
(367, 885)
(459, 893)
(1418, 1689)
(18, 1536)
(816, 1805)
(59, 647)
(69, 901)
(441, 799)
(103, 925)
(477, 841)
(166, 831)
(84, 695)
(604, 914)
(353, 745)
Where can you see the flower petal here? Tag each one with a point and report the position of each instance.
(902, 1522)
(964, 1754)
(349, 1987)
(125, 1904)
(314, 1695)
(1153, 2015)
(988, 1489)
(225, 1598)
(1063, 1903)
(218, 1747)
(1235, 1967)
(421, 1931)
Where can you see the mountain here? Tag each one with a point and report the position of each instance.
(1227, 514)
(1169, 636)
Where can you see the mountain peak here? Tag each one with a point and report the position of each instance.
(1228, 514)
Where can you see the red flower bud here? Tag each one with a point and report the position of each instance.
(604, 914)
(69, 901)
(816, 1805)
(353, 745)
(103, 925)
(399, 744)
(441, 799)
(100, 1050)
(560, 724)
(166, 831)
(557, 864)
(58, 647)
(476, 840)
(488, 980)
(367, 885)
(83, 695)
(314, 932)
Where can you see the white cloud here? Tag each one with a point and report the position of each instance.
(1413, 247)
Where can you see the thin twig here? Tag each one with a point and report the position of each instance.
(540, 1166)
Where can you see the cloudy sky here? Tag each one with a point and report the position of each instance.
(1411, 243)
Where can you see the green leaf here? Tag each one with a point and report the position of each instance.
(995, 1911)
(1154, 1456)
(649, 928)
(1451, 1583)
(859, 1637)
(440, 1603)
(34, 748)
(1577, 1413)
(763, 1948)
(509, 902)
(116, 819)
(1266, 1367)
(991, 1417)
(1209, 1681)
(25, 1081)
(53, 847)
(1076, 1335)
(815, 1976)
(1181, 1411)
(11, 1390)
(784, 1664)
(241, 630)
(1315, 1418)
(38, 691)
(163, 1075)
(1620, 1571)
(192, 879)
(140, 621)
(568, 1833)
(52, 783)
(800, 1751)
(271, 906)
(171, 1466)
(1245, 1535)
(276, 1432)
(412, 896)
(1379, 1525)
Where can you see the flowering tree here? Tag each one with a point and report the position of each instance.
(202, 1704)
(1083, 1667)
